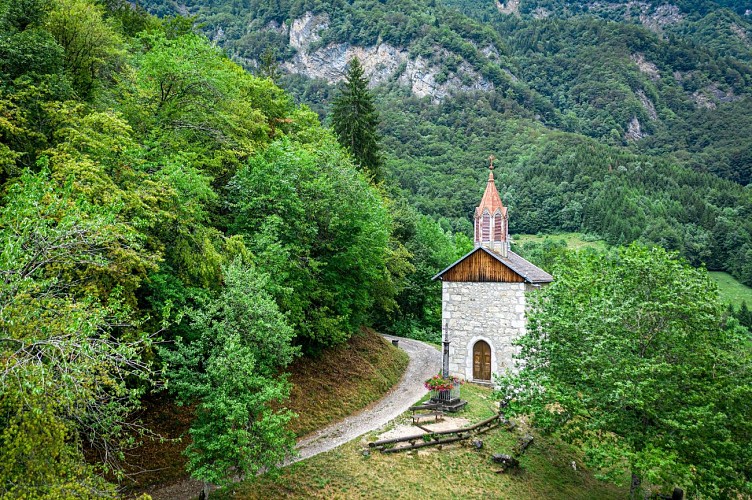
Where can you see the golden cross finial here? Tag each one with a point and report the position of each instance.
(491, 160)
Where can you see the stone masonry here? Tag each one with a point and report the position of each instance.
(473, 311)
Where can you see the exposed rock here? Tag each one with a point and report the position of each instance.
(634, 130)
(218, 35)
(653, 19)
(740, 32)
(305, 30)
(490, 52)
(507, 461)
(276, 27)
(381, 63)
(182, 9)
(647, 104)
(703, 101)
(663, 15)
(710, 96)
(509, 7)
(646, 66)
(541, 13)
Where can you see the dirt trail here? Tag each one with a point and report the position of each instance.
(425, 361)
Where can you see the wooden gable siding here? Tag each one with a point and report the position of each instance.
(479, 266)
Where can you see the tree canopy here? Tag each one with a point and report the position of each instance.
(628, 355)
(154, 190)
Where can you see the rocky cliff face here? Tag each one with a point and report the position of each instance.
(382, 62)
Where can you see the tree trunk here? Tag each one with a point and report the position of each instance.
(204, 495)
(634, 487)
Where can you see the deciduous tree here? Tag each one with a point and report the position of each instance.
(321, 232)
(230, 367)
(627, 355)
(70, 363)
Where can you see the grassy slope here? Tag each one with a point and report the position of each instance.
(731, 290)
(340, 381)
(574, 241)
(343, 380)
(455, 472)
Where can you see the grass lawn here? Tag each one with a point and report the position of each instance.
(457, 471)
(575, 241)
(732, 291)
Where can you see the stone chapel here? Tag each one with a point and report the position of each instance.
(484, 296)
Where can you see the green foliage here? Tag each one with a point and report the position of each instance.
(321, 232)
(626, 354)
(89, 42)
(430, 248)
(70, 357)
(743, 315)
(164, 165)
(230, 369)
(134, 128)
(355, 121)
(555, 181)
(576, 70)
(189, 96)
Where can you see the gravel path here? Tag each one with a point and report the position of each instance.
(425, 361)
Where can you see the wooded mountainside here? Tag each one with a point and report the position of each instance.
(588, 106)
(162, 207)
(167, 215)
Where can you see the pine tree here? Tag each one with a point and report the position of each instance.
(268, 65)
(355, 120)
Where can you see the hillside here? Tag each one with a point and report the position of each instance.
(174, 225)
(168, 221)
(585, 108)
(454, 471)
(367, 366)
(621, 72)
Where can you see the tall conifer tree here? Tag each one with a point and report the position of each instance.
(355, 120)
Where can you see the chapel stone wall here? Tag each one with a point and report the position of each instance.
(494, 312)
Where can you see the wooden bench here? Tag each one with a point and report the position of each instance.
(426, 411)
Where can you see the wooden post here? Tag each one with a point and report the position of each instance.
(445, 351)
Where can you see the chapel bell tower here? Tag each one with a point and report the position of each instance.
(491, 220)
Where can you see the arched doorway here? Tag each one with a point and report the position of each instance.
(481, 361)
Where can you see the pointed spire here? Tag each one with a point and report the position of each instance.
(491, 229)
(491, 199)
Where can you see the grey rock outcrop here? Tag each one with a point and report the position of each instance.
(381, 63)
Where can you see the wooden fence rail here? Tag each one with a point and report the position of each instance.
(433, 438)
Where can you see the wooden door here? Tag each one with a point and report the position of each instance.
(481, 361)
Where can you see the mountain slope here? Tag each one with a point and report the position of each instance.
(661, 108)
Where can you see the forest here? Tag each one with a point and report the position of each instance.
(171, 221)
(567, 89)
(163, 212)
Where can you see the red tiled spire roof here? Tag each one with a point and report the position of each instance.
(491, 222)
(491, 199)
